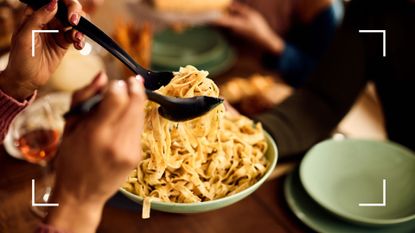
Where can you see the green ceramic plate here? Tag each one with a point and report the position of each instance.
(195, 44)
(320, 220)
(271, 154)
(201, 47)
(214, 67)
(340, 175)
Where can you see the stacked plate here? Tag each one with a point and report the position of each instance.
(355, 186)
(202, 47)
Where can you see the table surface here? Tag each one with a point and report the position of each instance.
(263, 211)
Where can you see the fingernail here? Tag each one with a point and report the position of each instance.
(139, 78)
(81, 44)
(74, 19)
(133, 85)
(78, 36)
(119, 84)
(52, 5)
(97, 78)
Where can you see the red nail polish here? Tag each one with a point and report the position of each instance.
(74, 19)
(78, 36)
(52, 5)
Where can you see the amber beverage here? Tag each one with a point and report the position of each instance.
(39, 145)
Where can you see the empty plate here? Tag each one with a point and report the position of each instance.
(365, 182)
(320, 220)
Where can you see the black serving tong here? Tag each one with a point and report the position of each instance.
(175, 109)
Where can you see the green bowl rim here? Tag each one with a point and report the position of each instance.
(220, 45)
(214, 68)
(350, 217)
(255, 186)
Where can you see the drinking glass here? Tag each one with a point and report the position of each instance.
(36, 133)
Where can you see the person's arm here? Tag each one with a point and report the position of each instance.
(105, 143)
(313, 112)
(295, 62)
(9, 108)
(24, 75)
(249, 23)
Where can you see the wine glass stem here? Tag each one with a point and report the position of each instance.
(47, 179)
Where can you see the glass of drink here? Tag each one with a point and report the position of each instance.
(36, 133)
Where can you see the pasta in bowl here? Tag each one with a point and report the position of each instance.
(202, 164)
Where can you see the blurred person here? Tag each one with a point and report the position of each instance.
(294, 33)
(313, 112)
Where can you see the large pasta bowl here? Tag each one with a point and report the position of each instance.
(198, 207)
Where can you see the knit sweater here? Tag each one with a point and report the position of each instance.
(9, 108)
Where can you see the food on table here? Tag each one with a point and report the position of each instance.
(136, 40)
(255, 94)
(239, 88)
(189, 6)
(204, 159)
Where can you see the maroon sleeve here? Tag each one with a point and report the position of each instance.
(9, 108)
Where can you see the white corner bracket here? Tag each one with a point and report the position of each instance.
(383, 204)
(40, 204)
(383, 36)
(33, 37)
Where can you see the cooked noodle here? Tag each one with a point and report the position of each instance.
(207, 158)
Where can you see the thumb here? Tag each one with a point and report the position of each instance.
(97, 85)
(41, 17)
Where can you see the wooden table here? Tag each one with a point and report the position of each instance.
(264, 211)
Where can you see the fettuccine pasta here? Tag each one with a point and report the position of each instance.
(207, 158)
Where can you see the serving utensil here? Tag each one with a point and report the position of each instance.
(176, 109)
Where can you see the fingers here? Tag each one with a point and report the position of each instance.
(72, 36)
(130, 126)
(74, 11)
(236, 18)
(38, 19)
(114, 104)
(136, 103)
(76, 38)
(97, 85)
(227, 20)
(240, 8)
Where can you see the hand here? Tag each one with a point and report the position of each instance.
(251, 24)
(97, 153)
(90, 6)
(24, 74)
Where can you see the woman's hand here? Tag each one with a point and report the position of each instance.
(251, 24)
(24, 73)
(97, 153)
